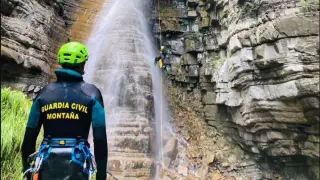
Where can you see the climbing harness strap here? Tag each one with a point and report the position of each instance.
(79, 145)
(37, 159)
(88, 157)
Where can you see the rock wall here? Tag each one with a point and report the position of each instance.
(255, 66)
(85, 19)
(31, 33)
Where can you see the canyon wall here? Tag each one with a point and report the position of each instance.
(86, 16)
(32, 32)
(252, 69)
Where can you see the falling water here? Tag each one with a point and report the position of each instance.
(121, 56)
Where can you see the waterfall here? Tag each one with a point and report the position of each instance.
(121, 65)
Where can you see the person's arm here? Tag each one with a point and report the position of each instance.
(32, 131)
(156, 59)
(99, 137)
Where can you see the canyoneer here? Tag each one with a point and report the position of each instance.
(161, 58)
(66, 109)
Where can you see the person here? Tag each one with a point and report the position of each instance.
(161, 58)
(66, 109)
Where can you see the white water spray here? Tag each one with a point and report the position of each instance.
(121, 61)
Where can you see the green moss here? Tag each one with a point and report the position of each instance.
(304, 3)
(169, 12)
(315, 139)
(163, 10)
(237, 151)
(217, 64)
(185, 22)
(175, 69)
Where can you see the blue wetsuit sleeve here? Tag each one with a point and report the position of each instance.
(32, 131)
(99, 137)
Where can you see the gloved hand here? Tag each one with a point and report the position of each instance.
(100, 176)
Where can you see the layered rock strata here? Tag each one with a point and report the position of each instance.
(31, 33)
(85, 17)
(255, 65)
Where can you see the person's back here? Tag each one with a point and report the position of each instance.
(68, 102)
(66, 109)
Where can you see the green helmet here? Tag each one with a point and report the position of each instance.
(72, 53)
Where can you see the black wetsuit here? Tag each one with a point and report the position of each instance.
(66, 109)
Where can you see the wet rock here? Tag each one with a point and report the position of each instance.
(177, 46)
(232, 159)
(211, 112)
(210, 158)
(170, 149)
(193, 71)
(209, 98)
(192, 14)
(183, 170)
(222, 38)
(31, 88)
(298, 26)
(194, 44)
(189, 59)
(191, 154)
(217, 176)
(147, 130)
(202, 172)
(167, 161)
(171, 24)
(37, 89)
(258, 76)
(267, 32)
(211, 42)
(31, 32)
(205, 22)
(234, 44)
(244, 38)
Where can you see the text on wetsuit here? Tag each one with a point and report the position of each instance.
(64, 105)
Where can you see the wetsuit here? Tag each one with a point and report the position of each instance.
(162, 57)
(66, 109)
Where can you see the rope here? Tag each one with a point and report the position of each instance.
(161, 134)
(112, 175)
(159, 22)
(161, 86)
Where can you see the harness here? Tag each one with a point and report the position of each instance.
(78, 146)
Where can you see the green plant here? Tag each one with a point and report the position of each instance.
(304, 3)
(15, 107)
(185, 22)
(163, 10)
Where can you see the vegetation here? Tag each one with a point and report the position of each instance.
(304, 3)
(15, 107)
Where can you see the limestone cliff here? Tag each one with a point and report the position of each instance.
(86, 16)
(254, 66)
(31, 33)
